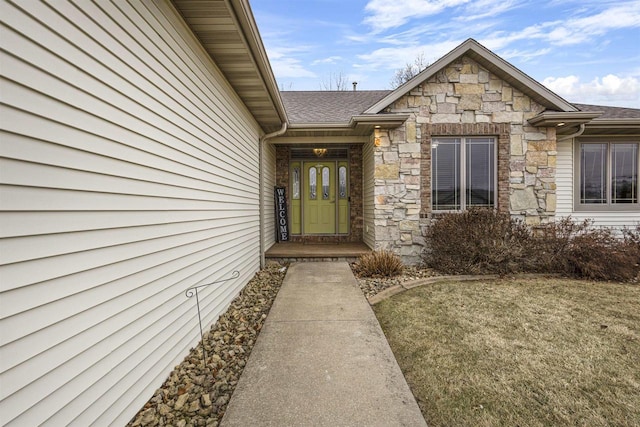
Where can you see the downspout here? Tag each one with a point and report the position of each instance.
(580, 132)
(263, 140)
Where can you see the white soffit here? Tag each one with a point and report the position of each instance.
(228, 32)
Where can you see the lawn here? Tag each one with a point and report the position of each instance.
(531, 352)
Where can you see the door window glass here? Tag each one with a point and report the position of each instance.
(342, 187)
(296, 183)
(325, 183)
(312, 183)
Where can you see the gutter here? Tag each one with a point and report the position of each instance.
(263, 140)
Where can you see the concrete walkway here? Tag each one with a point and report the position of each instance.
(322, 360)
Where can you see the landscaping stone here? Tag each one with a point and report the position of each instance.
(371, 286)
(194, 395)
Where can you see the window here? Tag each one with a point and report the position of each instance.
(607, 176)
(463, 173)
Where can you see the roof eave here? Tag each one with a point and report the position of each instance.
(337, 125)
(379, 121)
(563, 118)
(616, 122)
(623, 127)
(372, 120)
(259, 91)
(250, 29)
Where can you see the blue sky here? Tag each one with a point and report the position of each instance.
(587, 51)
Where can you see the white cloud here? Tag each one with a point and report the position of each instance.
(392, 58)
(581, 29)
(284, 64)
(500, 39)
(329, 60)
(573, 30)
(385, 14)
(608, 89)
(524, 55)
(290, 67)
(480, 9)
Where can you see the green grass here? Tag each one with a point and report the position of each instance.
(535, 352)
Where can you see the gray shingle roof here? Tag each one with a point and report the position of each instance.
(611, 112)
(328, 106)
(339, 106)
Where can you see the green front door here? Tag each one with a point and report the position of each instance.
(319, 198)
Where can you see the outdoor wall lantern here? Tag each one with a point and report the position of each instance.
(376, 136)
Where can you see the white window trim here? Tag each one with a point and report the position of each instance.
(463, 171)
(594, 207)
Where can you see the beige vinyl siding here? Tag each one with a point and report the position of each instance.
(564, 179)
(129, 173)
(564, 191)
(269, 182)
(368, 186)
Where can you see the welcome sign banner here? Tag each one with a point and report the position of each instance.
(282, 235)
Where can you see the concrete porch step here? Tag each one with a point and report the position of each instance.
(301, 252)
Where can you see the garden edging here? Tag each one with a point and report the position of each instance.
(396, 289)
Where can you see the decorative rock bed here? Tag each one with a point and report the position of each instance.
(197, 396)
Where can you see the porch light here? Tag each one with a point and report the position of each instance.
(376, 135)
(320, 152)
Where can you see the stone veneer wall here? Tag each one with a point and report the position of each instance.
(355, 193)
(464, 99)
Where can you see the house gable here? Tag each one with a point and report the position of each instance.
(463, 99)
(491, 63)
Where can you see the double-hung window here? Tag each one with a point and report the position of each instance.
(463, 173)
(607, 175)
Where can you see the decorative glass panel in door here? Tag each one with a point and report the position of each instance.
(296, 199)
(343, 198)
(319, 197)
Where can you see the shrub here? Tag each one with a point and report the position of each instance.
(477, 241)
(578, 249)
(631, 238)
(482, 241)
(551, 242)
(379, 264)
(599, 255)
